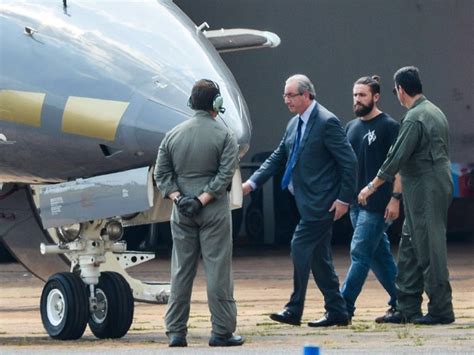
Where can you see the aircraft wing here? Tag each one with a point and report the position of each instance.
(239, 39)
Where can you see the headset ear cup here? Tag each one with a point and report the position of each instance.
(190, 103)
(217, 103)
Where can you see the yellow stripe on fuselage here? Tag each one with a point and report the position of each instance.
(21, 107)
(93, 117)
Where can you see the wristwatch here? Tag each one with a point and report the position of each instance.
(397, 195)
(371, 186)
(176, 199)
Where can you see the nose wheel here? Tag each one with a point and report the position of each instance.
(114, 314)
(65, 306)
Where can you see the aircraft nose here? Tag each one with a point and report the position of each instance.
(236, 116)
(164, 106)
(157, 69)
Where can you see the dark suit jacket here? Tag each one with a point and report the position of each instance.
(325, 168)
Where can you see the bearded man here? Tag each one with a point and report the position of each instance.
(371, 134)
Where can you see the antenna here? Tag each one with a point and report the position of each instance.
(201, 27)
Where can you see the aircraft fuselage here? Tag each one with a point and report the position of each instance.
(93, 88)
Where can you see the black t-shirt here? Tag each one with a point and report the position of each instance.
(371, 141)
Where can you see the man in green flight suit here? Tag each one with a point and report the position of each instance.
(195, 165)
(420, 153)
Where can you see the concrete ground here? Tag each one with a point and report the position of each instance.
(263, 283)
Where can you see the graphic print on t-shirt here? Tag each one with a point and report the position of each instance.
(371, 141)
(371, 137)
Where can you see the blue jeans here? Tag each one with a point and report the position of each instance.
(370, 249)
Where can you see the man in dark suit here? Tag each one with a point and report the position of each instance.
(320, 174)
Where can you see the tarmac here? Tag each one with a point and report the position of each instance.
(263, 283)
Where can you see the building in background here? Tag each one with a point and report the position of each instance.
(336, 41)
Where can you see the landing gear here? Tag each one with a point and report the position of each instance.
(64, 306)
(102, 295)
(104, 299)
(114, 314)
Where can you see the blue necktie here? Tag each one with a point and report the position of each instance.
(285, 181)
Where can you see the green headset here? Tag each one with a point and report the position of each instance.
(217, 101)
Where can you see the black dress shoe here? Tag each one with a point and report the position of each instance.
(285, 316)
(328, 321)
(433, 320)
(177, 341)
(393, 317)
(231, 340)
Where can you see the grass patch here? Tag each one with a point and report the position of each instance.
(201, 320)
(140, 328)
(368, 327)
(267, 333)
(419, 341)
(256, 334)
(403, 333)
(461, 338)
(312, 334)
(24, 341)
(330, 343)
(196, 316)
(360, 328)
(470, 326)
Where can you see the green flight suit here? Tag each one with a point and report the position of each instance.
(200, 155)
(420, 153)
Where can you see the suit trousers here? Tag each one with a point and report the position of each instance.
(311, 250)
(209, 234)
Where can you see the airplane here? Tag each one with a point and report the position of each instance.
(87, 92)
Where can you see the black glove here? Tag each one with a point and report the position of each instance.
(189, 206)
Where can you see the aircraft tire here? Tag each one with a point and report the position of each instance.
(115, 317)
(64, 306)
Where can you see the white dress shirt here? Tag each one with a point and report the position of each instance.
(304, 117)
